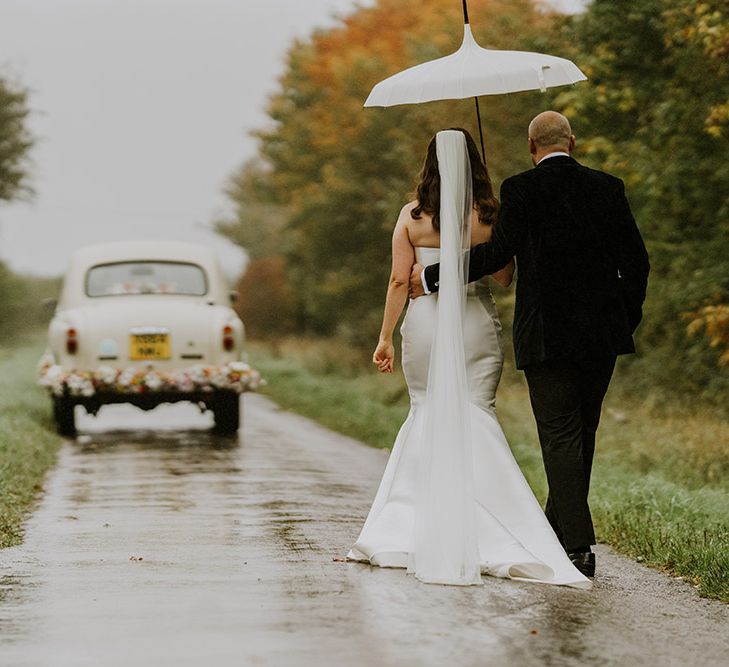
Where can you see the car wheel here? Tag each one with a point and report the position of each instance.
(226, 410)
(63, 413)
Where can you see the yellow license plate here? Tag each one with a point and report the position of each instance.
(143, 347)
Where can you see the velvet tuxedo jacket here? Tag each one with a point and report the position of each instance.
(582, 264)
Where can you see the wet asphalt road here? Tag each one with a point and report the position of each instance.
(236, 540)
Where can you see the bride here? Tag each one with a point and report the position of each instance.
(453, 504)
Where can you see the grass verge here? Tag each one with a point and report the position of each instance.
(660, 492)
(28, 444)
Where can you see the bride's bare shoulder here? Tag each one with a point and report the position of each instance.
(405, 211)
(420, 229)
(405, 219)
(406, 215)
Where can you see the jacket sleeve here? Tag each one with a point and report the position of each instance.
(633, 263)
(506, 240)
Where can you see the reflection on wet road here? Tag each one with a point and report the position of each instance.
(174, 547)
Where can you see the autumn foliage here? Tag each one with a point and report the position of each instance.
(265, 298)
(713, 320)
(656, 112)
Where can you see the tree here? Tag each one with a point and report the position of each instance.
(656, 113)
(266, 302)
(258, 223)
(15, 142)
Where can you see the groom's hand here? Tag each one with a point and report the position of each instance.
(416, 282)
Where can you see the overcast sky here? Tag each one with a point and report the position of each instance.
(142, 109)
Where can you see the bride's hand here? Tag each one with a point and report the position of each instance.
(384, 356)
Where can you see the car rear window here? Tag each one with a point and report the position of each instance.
(146, 277)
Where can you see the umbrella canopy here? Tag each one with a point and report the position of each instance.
(472, 71)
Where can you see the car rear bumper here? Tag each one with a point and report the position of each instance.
(144, 400)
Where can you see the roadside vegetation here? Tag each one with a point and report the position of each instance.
(28, 439)
(28, 442)
(660, 491)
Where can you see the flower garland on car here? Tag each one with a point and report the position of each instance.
(235, 376)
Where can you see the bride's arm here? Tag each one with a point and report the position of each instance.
(403, 258)
(506, 275)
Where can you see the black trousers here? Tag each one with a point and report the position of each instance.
(566, 398)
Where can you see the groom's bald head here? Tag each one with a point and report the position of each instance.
(548, 132)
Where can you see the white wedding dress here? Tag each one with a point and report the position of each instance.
(453, 503)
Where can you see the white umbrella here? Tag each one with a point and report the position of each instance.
(472, 71)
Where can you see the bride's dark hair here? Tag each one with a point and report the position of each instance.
(428, 191)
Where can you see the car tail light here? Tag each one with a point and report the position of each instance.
(228, 339)
(71, 341)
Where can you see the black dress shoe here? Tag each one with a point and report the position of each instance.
(584, 562)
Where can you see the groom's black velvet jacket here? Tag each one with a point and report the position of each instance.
(582, 265)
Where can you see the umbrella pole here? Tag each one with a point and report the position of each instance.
(480, 130)
(478, 111)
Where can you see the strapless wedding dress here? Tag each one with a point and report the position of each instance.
(515, 539)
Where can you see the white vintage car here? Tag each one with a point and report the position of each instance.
(145, 323)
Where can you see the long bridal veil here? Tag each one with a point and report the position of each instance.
(445, 544)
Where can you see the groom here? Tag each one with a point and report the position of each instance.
(582, 275)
